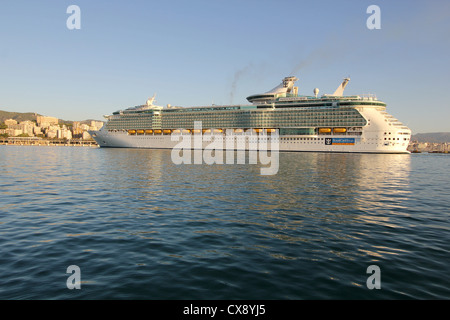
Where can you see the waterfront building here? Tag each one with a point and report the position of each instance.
(86, 135)
(27, 127)
(13, 132)
(37, 130)
(96, 125)
(45, 122)
(10, 122)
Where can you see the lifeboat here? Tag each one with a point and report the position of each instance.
(131, 131)
(238, 130)
(218, 131)
(149, 131)
(206, 130)
(271, 130)
(167, 131)
(324, 130)
(176, 131)
(186, 131)
(196, 131)
(157, 131)
(140, 132)
(257, 130)
(339, 130)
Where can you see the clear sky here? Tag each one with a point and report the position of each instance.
(221, 51)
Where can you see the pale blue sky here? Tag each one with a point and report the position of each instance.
(203, 52)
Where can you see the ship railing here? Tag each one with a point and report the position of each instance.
(368, 96)
(219, 106)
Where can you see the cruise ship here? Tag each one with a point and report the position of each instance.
(326, 123)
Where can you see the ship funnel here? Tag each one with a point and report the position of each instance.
(340, 90)
(288, 83)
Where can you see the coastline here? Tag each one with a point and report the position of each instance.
(32, 141)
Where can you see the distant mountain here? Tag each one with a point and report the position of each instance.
(31, 116)
(434, 137)
(18, 116)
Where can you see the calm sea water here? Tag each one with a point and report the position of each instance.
(140, 227)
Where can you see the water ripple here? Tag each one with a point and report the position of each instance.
(140, 227)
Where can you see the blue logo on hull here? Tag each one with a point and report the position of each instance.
(339, 141)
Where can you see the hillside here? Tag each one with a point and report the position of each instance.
(24, 116)
(434, 137)
(18, 116)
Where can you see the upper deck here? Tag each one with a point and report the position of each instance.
(285, 96)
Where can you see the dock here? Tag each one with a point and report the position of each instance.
(36, 141)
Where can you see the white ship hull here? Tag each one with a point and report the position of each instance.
(315, 143)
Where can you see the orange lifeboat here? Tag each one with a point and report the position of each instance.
(339, 130)
(324, 130)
